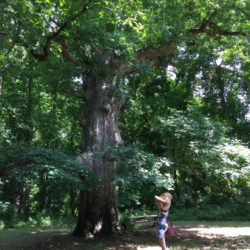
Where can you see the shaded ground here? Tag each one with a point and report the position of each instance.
(186, 237)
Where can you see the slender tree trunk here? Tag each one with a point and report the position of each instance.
(98, 209)
(221, 85)
(1, 84)
(176, 177)
(29, 136)
(42, 196)
(23, 209)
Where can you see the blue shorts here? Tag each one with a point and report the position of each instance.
(162, 225)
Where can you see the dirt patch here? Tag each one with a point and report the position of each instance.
(209, 231)
(205, 237)
(185, 237)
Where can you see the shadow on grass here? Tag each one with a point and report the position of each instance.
(186, 237)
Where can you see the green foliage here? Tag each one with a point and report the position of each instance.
(52, 179)
(126, 222)
(201, 148)
(200, 152)
(42, 218)
(224, 212)
(21, 160)
(192, 113)
(33, 110)
(8, 214)
(139, 175)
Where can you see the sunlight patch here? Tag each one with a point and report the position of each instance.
(149, 248)
(225, 231)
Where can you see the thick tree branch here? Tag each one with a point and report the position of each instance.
(204, 25)
(73, 92)
(166, 50)
(222, 189)
(4, 33)
(70, 58)
(154, 57)
(212, 29)
(216, 30)
(46, 49)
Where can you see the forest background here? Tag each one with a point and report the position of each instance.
(175, 77)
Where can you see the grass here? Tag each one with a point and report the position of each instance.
(59, 237)
(214, 223)
(30, 229)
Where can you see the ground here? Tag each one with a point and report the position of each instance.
(185, 237)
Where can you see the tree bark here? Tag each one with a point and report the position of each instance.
(23, 209)
(1, 86)
(221, 85)
(29, 134)
(97, 208)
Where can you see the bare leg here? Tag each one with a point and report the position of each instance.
(163, 243)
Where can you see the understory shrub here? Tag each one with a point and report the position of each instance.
(227, 212)
(8, 214)
(126, 222)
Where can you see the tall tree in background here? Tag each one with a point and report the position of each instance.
(109, 41)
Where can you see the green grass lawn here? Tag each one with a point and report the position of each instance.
(30, 229)
(186, 237)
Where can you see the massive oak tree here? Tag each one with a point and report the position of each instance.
(109, 41)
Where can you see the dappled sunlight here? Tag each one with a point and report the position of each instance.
(149, 248)
(185, 237)
(225, 231)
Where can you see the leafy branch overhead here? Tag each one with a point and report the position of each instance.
(54, 35)
(69, 23)
(203, 151)
(20, 161)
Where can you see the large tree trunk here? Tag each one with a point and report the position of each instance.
(98, 209)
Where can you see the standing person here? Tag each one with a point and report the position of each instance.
(163, 203)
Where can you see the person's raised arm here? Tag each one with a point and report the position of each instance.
(157, 199)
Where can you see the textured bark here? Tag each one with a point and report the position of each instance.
(1, 86)
(23, 209)
(165, 50)
(221, 85)
(98, 209)
(29, 133)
